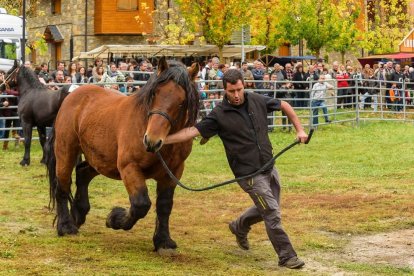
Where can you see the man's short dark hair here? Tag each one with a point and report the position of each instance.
(232, 76)
(244, 62)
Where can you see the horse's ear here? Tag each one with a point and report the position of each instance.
(162, 65)
(193, 71)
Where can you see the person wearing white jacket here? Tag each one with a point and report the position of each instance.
(318, 99)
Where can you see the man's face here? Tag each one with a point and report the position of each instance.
(61, 66)
(60, 76)
(143, 67)
(397, 67)
(244, 67)
(113, 68)
(288, 67)
(235, 93)
(44, 68)
(215, 66)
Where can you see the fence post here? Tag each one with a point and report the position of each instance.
(357, 101)
(404, 99)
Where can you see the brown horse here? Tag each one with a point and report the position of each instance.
(118, 135)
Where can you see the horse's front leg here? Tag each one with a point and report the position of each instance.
(162, 239)
(27, 133)
(134, 181)
(42, 138)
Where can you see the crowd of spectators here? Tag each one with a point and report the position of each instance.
(295, 82)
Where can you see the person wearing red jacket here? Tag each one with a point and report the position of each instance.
(342, 81)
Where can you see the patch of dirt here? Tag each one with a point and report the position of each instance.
(393, 248)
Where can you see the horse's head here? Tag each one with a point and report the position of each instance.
(173, 102)
(11, 75)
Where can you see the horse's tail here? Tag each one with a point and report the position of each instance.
(49, 149)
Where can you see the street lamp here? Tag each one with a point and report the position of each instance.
(23, 42)
(298, 18)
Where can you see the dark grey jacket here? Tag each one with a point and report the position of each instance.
(243, 132)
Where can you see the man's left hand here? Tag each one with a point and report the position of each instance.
(302, 136)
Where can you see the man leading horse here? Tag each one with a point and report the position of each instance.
(241, 123)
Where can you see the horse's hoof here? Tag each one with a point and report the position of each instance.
(167, 252)
(25, 162)
(67, 229)
(116, 219)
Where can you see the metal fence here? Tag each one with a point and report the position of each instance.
(361, 100)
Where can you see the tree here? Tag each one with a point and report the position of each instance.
(170, 27)
(387, 23)
(347, 13)
(215, 19)
(264, 22)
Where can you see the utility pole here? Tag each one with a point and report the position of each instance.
(23, 42)
(242, 44)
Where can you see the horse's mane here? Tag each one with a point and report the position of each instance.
(178, 73)
(29, 76)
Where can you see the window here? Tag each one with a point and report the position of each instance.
(8, 50)
(56, 7)
(127, 5)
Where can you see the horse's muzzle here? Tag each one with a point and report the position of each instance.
(152, 146)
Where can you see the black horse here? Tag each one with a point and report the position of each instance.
(37, 106)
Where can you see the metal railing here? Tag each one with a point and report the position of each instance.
(344, 104)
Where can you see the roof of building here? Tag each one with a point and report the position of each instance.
(229, 51)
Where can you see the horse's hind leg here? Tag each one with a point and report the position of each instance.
(162, 239)
(80, 206)
(42, 138)
(134, 182)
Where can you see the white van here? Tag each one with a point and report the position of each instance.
(11, 33)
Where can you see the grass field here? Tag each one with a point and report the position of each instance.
(349, 182)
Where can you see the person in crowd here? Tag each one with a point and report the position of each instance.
(60, 67)
(44, 71)
(97, 63)
(131, 70)
(335, 69)
(317, 97)
(388, 72)
(142, 75)
(212, 74)
(72, 72)
(300, 85)
(277, 70)
(51, 84)
(342, 84)
(130, 88)
(397, 78)
(81, 75)
(98, 76)
(67, 79)
(9, 109)
(371, 90)
(249, 85)
(247, 74)
(258, 73)
(28, 64)
(205, 71)
(232, 123)
(60, 77)
(112, 76)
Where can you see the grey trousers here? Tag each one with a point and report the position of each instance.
(264, 189)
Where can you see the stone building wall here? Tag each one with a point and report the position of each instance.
(71, 24)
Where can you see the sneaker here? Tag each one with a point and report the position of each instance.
(293, 263)
(242, 241)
